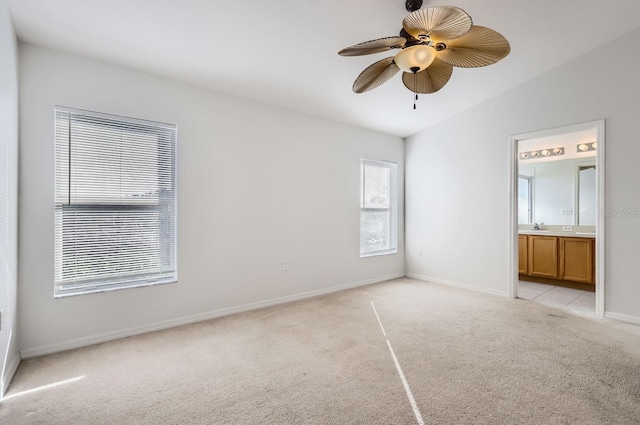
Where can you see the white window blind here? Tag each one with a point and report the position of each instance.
(115, 202)
(378, 204)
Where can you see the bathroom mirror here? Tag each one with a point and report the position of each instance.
(558, 192)
(557, 179)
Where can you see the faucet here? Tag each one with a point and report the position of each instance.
(536, 226)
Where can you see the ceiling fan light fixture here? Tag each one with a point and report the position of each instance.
(414, 59)
(432, 41)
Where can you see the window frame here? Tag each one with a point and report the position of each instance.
(162, 210)
(392, 209)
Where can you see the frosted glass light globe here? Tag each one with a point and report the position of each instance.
(415, 58)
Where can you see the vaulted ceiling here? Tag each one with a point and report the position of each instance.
(284, 52)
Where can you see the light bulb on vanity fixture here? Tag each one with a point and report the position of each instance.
(586, 147)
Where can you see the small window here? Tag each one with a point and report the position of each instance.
(525, 198)
(115, 202)
(378, 204)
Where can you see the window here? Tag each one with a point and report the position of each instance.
(378, 208)
(115, 202)
(525, 197)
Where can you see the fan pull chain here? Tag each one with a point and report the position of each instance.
(415, 83)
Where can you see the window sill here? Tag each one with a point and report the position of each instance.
(377, 254)
(107, 288)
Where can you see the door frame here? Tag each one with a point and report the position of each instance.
(599, 127)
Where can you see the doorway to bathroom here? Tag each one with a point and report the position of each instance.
(556, 228)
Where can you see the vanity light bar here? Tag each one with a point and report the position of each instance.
(586, 147)
(542, 153)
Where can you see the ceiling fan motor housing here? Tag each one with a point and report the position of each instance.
(413, 5)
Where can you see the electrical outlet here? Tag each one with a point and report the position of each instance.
(566, 211)
(567, 228)
(419, 253)
(285, 265)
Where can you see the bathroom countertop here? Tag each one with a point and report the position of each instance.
(557, 233)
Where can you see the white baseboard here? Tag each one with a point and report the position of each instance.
(9, 372)
(622, 317)
(185, 320)
(459, 285)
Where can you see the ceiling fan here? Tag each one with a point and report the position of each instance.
(432, 41)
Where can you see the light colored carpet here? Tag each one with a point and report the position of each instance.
(468, 358)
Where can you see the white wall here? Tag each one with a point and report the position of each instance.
(9, 358)
(257, 185)
(457, 174)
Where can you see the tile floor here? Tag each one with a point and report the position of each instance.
(558, 296)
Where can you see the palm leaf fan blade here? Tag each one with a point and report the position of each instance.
(429, 80)
(440, 23)
(373, 46)
(375, 75)
(479, 47)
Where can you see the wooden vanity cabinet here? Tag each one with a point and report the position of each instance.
(557, 259)
(576, 259)
(543, 256)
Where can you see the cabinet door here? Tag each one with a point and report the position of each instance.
(543, 256)
(522, 254)
(576, 259)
